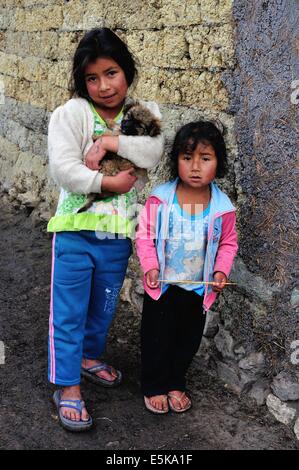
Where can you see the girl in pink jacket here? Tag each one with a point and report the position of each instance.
(186, 242)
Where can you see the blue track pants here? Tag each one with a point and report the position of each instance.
(87, 275)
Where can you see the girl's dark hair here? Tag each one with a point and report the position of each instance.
(99, 42)
(190, 135)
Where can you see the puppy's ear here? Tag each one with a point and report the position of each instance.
(154, 128)
(129, 103)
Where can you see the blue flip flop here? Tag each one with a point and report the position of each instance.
(90, 375)
(70, 425)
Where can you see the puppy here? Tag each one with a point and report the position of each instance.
(139, 121)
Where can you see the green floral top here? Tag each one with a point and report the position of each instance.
(115, 214)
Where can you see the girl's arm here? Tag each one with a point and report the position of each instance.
(146, 234)
(228, 244)
(66, 154)
(142, 151)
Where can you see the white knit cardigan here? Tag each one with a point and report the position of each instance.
(70, 137)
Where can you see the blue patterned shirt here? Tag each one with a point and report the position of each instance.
(185, 247)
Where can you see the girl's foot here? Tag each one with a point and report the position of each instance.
(73, 393)
(179, 401)
(103, 374)
(157, 404)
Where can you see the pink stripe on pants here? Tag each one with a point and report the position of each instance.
(51, 319)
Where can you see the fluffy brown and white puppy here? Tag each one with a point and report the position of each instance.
(139, 121)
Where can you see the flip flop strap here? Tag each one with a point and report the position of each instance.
(77, 405)
(98, 368)
(177, 398)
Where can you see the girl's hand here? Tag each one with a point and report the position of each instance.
(151, 278)
(121, 183)
(95, 155)
(219, 281)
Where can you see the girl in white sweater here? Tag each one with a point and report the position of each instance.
(91, 249)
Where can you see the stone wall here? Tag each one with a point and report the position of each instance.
(259, 340)
(182, 47)
(211, 58)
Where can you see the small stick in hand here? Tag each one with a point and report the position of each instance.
(196, 282)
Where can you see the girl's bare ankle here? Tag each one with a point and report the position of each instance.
(72, 390)
(87, 362)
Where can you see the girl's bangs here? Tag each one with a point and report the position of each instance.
(190, 144)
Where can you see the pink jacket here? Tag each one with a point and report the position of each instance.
(150, 258)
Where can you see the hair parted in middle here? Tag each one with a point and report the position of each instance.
(97, 43)
(190, 135)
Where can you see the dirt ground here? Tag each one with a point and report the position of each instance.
(28, 420)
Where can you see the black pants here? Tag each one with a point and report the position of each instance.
(171, 332)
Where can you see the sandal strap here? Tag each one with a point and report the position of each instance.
(77, 405)
(98, 368)
(183, 394)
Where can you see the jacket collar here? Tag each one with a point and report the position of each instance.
(220, 203)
